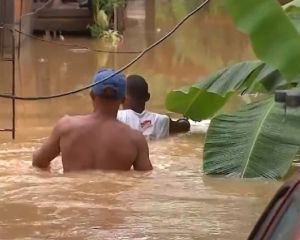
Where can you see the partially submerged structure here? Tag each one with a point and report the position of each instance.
(61, 15)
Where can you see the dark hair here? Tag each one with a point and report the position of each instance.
(137, 88)
(109, 94)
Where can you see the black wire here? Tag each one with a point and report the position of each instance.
(118, 71)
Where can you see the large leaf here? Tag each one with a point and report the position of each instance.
(295, 18)
(292, 9)
(293, 6)
(274, 38)
(204, 99)
(257, 141)
(267, 80)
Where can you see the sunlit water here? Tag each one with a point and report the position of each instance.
(175, 201)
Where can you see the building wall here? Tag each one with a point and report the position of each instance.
(26, 8)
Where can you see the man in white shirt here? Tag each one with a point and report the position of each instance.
(152, 125)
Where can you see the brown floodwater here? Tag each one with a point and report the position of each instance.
(176, 200)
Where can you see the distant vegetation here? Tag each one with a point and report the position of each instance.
(103, 11)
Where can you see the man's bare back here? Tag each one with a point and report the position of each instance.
(90, 142)
(97, 140)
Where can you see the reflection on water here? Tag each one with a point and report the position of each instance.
(175, 201)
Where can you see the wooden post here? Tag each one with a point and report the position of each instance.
(150, 14)
(6, 17)
(150, 21)
(150, 26)
(20, 29)
(13, 87)
(7, 45)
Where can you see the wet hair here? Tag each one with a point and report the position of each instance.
(137, 88)
(109, 94)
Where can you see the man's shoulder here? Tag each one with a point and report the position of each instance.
(136, 135)
(125, 112)
(145, 113)
(67, 122)
(163, 116)
(126, 130)
(149, 114)
(122, 126)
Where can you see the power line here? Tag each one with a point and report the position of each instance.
(118, 71)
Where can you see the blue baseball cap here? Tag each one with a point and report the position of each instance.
(117, 82)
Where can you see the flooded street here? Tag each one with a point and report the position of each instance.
(175, 201)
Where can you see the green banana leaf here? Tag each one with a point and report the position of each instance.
(274, 38)
(267, 80)
(293, 6)
(295, 19)
(292, 9)
(257, 141)
(205, 98)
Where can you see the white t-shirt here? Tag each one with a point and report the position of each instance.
(152, 125)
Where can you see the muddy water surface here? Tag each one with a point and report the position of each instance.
(175, 201)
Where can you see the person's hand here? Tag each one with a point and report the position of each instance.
(184, 122)
(179, 126)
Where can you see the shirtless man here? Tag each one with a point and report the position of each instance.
(97, 140)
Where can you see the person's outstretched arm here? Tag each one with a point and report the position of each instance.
(142, 162)
(180, 126)
(50, 149)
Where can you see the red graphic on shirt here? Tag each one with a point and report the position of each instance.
(146, 124)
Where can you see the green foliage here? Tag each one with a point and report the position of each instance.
(102, 12)
(101, 24)
(292, 10)
(107, 5)
(257, 141)
(293, 6)
(112, 36)
(205, 98)
(274, 38)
